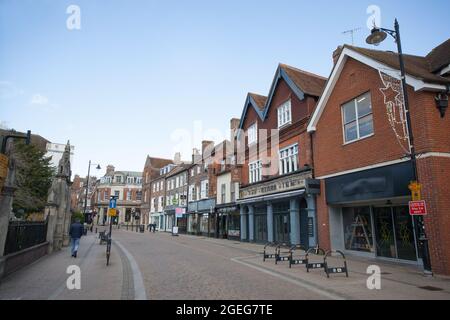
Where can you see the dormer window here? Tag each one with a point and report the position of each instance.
(118, 179)
(284, 114)
(252, 133)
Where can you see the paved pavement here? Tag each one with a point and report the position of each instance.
(160, 266)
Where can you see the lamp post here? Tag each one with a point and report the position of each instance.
(87, 185)
(377, 36)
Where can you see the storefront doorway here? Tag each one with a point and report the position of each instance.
(260, 224)
(394, 233)
(222, 226)
(281, 217)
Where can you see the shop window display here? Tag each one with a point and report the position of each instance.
(357, 229)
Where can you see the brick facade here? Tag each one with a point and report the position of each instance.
(432, 141)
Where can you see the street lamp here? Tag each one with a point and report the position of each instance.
(87, 184)
(377, 36)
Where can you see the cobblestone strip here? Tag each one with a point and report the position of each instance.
(133, 281)
(127, 277)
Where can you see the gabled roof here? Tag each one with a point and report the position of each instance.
(157, 163)
(255, 101)
(417, 73)
(299, 81)
(308, 82)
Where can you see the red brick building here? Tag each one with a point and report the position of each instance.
(361, 156)
(152, 169)
(277, 162)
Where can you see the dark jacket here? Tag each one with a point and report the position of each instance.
(76, 230)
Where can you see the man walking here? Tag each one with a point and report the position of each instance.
(76, 232)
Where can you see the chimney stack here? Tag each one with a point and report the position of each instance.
(177, 158)
(195, 155)
(234, 126)
(336, 54)
(207, 147)
(110, 169)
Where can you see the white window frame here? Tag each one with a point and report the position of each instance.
(255, 171)
(284, 113)
(357, 118)
(204, 189)
(288, 159)
(252, 133)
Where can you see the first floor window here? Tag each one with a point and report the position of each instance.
(204, 189)
(223, 189)
(289, 159)
(284, 114)
(255, 171)
(252, 134)
(357, 118)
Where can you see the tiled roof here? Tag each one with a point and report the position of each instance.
(308, 82)
(158, 163)
(439, 57)
(178, 169)
(415, 66)
(259, 99)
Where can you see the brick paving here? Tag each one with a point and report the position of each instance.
(198, 268)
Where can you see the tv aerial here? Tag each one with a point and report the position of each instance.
(352, 33)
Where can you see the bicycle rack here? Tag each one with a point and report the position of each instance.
(314, 265)
(269, 255)
(282, 256)
(329, 270)
(302, 261)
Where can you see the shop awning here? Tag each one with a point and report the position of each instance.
(271, 197)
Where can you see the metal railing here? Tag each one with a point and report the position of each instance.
(24, 234)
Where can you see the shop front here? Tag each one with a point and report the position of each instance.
(228, 222)
(280, 210)
(201, 218)
(181, 219)
(155, 219)
(169, 218)
(369, 214)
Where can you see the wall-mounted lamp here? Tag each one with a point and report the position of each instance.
(442, 102)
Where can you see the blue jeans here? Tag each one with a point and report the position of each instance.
(74, 243)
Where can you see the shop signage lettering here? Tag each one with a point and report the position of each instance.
(293, 182)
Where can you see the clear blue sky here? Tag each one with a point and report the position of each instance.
(139, 70)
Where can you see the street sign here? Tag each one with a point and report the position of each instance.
(112, 212)
(418, 208)
(112, 203)
(415, 188)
